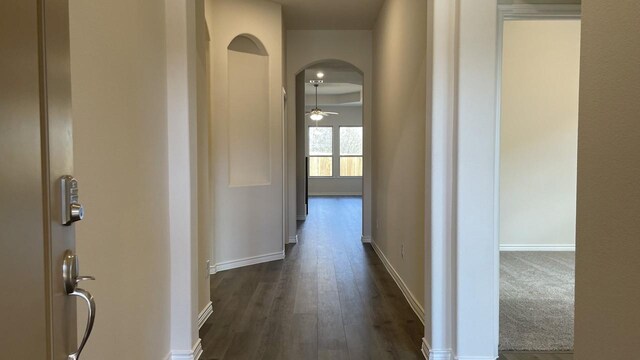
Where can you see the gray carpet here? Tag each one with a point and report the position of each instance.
(536, 300)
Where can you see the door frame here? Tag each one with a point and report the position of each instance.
(523, 13)
(464, 240)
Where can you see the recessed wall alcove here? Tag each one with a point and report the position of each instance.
(248, 111)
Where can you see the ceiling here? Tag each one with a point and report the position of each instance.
(330, 14)
(333, 89)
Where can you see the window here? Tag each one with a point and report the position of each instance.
(351, 151)
(320, 151)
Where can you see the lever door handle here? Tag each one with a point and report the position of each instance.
(71, 279)
(91, 317)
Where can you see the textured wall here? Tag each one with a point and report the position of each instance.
(607, 266)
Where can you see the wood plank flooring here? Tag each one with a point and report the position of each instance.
(331, 298)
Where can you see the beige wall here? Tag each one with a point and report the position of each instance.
(399, 132)
(305, 47)
(608, 225)
(120, 147)
(205, 237)
(248, 209)
(539, 132)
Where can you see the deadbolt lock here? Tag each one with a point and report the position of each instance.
(71, 210)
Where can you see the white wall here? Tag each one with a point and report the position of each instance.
(539, 132)
(118, 72)
(608, 227)
(248, 205)
(348, 115)
(205, 236)
(399, 140)
(305, 47)
(476, 270)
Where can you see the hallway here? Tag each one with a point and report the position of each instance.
(331, 298)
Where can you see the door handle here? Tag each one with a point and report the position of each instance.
(71, 279)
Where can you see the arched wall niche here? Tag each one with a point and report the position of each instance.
(248, 112)
(248, 43)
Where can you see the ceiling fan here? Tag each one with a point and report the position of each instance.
(316, 114)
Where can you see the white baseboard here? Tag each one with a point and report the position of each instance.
(293, 240)
(413, 302)
(537, 247)
(367, 239)
(302, 217)
(337, 193)
(443, 354)
(425, 348)
(476, 358)
(205, 314)
(193, 354)
(252, 260)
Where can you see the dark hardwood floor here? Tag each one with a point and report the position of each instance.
(331, 298)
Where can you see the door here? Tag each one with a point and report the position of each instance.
(38, 313)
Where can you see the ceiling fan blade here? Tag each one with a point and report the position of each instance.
(331, 113)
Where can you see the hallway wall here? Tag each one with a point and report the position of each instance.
(607, 266)
(248, 205)
(118, 74)
(205, 236)
(400, 154)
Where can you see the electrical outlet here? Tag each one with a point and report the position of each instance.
(206, 270)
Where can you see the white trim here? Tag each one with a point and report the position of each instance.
(302, 217)
(205, 314)
(425, 349)
(538, 11)
(293, 239)
(213, 269)
(476, 358)
(366, 239)
(537, 247)
(193, 354)
(446, 354)
(411, 299)
(252, 260)
(337, 193)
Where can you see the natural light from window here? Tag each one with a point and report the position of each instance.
(320, 151)
(351, 151)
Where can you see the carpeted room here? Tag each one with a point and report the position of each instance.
(538, 161)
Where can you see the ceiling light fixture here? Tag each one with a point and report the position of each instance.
(316, 114)
(320, 75)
